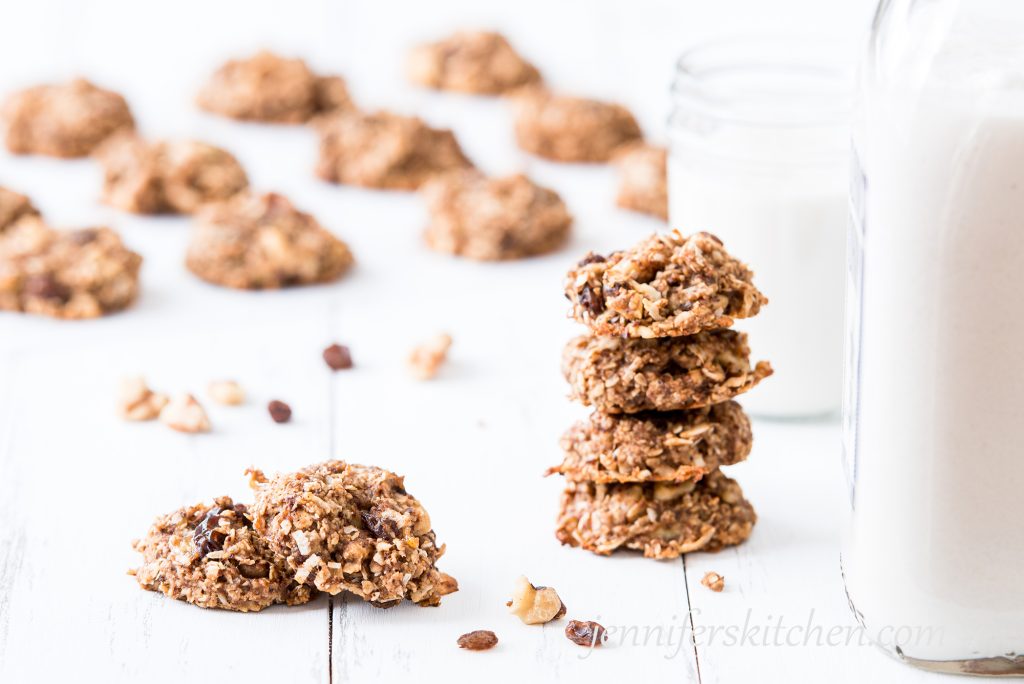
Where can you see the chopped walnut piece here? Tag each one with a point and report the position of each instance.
(135, 401)
(535, 605)
(185, 414)
(713, 581)
(426, 359)
(480, 640)
(585, 633)
(226, 392)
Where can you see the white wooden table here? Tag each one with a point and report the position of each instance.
(77, 484)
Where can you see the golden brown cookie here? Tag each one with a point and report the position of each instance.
(480, 62)
(572, 129)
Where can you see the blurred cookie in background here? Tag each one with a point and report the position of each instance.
(478, 62)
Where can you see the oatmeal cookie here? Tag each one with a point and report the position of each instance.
(644, 185)
(67, 274)
(273, 89)
(572, 129)
(210, 556)
(168, 176)
(14, 206)
(492, 219)
(666, 286)
(628, 375)
(480, 62)
(65, 120)
(259, 242)
(671, 446)
(664, 520)
(385, 150)
(345, 527)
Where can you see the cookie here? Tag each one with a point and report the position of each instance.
(668, 285)
(257, 242)
(273, 89)
(663, 520)
(210, 556)
(479, 62)
(673, 446)
(492, 219)
(628, 375)
(572, 129)
(643, 184)
(385, 150)
(174, 177)
(66, 274)
(65, 120)
(345, 527)
(14, 206)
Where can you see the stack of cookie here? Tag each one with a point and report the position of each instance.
(661, 368)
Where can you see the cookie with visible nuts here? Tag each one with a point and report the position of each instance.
(137, 402)
(75, 274)
(572, 129)
(655, 446)
(385, 150)
(14, 206)
(493, 219)
(668, 285)
(426, 359)
(626, 375)
(185, 414)
(176, 177)
(663, 520)
(259, 242)
(535, 605)
(63, 120)
(345, 527)
(273, 89)
(480, 62)
(643, 182)
(210, 556)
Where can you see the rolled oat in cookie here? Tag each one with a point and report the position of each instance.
(671, 446)
(628, 375)
(176, 177)
(273, 89)
(66, 274)
(643, 184)
(492, 219)
(210, 556)
(14, 206)
(572, 129)
(668, 285)
(259, 242)
(480, 62)
(385, 150)
(663, 520)
(346, 527)
(63, 120)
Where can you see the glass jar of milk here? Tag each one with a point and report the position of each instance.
(933, 558)
(759, 156)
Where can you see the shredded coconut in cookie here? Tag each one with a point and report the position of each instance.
(14, 206)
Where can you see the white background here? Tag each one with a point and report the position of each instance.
(77, 485)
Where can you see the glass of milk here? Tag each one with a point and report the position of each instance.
(933, 558)
(759, 156)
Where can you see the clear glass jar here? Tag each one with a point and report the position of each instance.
(933, 554)
(759, 155)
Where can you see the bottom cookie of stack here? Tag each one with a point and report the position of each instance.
(663, 519)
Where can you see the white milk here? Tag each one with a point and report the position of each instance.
(935, 438)
(788, 222)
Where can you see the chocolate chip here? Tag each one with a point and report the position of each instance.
(591, 258)
(379, 526)
(591, 301)
(585, 633)
(480, 640)
(338, 357)
(45, 286)
(280, 411)
(206, 536)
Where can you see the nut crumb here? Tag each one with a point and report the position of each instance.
(713, 581)
(535, 605)
(279, 411)
(586, 633)
(136, 401)
(479, 640)
(226, 392)
(185, 414)
(338, 357)
(426, 359)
